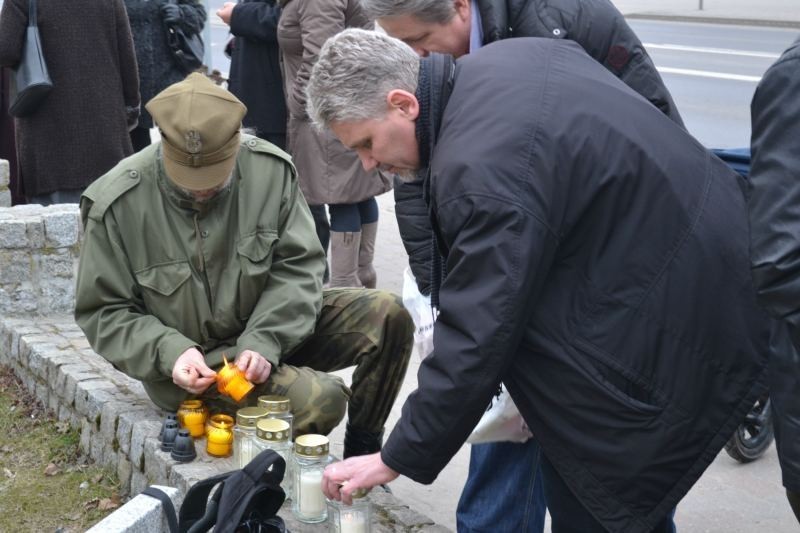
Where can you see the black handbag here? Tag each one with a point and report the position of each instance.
(31, 83)
(187, 48)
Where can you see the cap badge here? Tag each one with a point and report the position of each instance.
(193, 142)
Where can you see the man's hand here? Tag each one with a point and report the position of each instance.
(191, 372)
(256, 369)
(171, 13)
(343, 478)
(226, 11)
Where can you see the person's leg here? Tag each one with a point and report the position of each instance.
(323, 229)
(569, 515)
(368, 211)
(140, 138)
(504, 490)
(345, 243)
(66, 196)
(372, 330)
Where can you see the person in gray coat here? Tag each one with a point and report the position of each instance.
(80, 130)
(157, 68)
(774, 207)
(596, 263)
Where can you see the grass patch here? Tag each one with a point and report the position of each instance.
(46, 483)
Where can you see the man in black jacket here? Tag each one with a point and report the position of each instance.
(458, 27)
(774, 206)
(596, 260)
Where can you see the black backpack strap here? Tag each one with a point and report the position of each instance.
(166, 504)
(193, 509)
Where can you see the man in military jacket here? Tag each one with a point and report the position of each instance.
(202, 246)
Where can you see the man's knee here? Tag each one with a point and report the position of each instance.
(397, 317)
(323, 407)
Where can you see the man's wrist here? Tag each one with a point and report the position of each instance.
(170, 349)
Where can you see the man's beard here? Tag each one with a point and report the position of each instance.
(407, 175)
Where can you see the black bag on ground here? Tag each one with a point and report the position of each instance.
(31, 80)
(246, 500)
(187, 48)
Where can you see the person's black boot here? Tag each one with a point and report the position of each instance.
(794, 501)
(360, 442)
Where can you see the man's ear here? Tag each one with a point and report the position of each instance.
(403, 101)
(462, 8)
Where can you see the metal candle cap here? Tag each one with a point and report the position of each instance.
(272, 429)
(311, 445)
(275, 404)
(359, 493)
(248, 416)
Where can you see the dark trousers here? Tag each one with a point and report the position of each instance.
(140, 138)
(569, 515)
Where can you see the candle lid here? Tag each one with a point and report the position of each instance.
(192, 404)
(248, 416)
(274, 403)
(359, 493)
(311, 445)
(272, 429)
(221, 421)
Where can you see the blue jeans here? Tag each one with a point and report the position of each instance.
(567, 513)
(504, 490)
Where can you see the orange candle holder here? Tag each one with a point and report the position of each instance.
(192, 415)
(231, 381)
(219, 439)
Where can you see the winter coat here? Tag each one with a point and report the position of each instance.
(80, 131)
(329, 172)
(142, 302)
(774, 187)
(157, 69)
(255, 76)
(598, 27)
(597, 265)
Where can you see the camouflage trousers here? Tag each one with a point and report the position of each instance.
(367, 328)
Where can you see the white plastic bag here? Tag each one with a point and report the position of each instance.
(419, 307)
(500, 422)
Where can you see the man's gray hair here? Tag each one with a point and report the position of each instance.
(435, 11)
(355, 71)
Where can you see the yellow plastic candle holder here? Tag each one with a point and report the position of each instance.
(219, 441)
(192, 415)
(231, 381)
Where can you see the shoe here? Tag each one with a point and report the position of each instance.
(366, 253)
(344, 258)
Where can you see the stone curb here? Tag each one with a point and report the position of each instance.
(119, 425)
(794, 24)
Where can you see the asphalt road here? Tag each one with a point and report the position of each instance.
(712, 71)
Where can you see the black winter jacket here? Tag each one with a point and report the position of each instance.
(774, 206)
(597, 265)
(255, 76)
(598, 27)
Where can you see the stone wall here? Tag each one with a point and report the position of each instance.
(5, 193)
(39, 249)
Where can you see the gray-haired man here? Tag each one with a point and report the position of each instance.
(596, 260)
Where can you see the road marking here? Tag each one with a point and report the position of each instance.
(703, 50)
(708, 74)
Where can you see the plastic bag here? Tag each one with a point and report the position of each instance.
(501, 422)
(419, 307)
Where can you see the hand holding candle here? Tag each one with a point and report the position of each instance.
(232, 382)
(255, 367)
(191, 373)
(363, 472)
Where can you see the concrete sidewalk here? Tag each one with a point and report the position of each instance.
(779, 13)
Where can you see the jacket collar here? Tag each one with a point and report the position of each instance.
(436, 73)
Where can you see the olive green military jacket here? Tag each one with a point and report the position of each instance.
(160, 273)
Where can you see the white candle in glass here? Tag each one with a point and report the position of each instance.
(352, 523)
(312, 500)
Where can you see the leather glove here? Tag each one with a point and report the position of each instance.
(171, 13)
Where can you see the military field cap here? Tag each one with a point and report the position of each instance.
(199, 123)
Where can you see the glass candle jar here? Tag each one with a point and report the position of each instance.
(219, 439)
(355, 518)
(308, 462)
(244, 435)
(279, 407)
(273, 434)
(231, 381)
(192, 415)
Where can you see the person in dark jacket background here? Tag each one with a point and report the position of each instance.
(255, 76)
(774, 207)
(597, 264)
(81, 128)
(157, 68)
(458, 27)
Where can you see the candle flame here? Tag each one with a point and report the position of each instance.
(225, 359)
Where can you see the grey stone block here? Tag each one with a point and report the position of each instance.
(27, 210)
(156, 463)
(110, 457)
(97, 447)
(87, 431)
(141, 432)
(18, 298)
(5, 173)
(12, 234)
(5, 198)
(38, 355)
(125, 423)
(57, 296)
(109, 419)
(34, 231)
(62, 227)
(55, 264)
(89, 398)
(139, 482)
(124, 471)
(16, 334)
(54, 365)
(142, 514)
(15, 265)
(42, 392)
(68, 378)
(27, 342)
